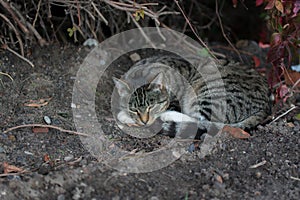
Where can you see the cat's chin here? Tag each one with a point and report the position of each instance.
(137, 125)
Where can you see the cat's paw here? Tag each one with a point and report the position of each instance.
(124, 118)
(175, 116)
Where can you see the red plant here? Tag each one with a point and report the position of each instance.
(284, 21)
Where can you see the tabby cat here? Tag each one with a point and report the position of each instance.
(172, 90)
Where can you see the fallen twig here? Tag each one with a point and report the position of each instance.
(258, 164)
(4, 46)
(46, 126)
(6, 74)
(295, 178)
(13, 174)
(283, 114)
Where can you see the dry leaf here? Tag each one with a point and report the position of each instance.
(37, 103)
(10, 168)
(279, 6)
(46, 158)
(291, 77)
(235, 132)
(219, 178)
(40, 130)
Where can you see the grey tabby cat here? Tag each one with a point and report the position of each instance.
(155, 86)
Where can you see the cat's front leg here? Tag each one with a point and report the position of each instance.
(174, 116)
(124, 118)
(179, 125)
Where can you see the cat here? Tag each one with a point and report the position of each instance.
(170, 89)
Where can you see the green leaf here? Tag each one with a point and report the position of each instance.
(70, 30)
(203, 52)
(142, 14)
(297, 117)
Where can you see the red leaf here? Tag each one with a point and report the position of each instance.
(275, 53)
(234, 2)
(282, 91)
(276, 39)
(259, 2)
(296, 8)
(275, 74)
(256, 61)
(270, 5)
(263, 46)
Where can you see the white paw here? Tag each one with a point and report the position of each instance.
(124, 118)
(176, 117)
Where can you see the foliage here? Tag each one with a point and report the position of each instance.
(284, 21)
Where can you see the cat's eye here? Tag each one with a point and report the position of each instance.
(162, 101)
(133, 110)
(152, 100)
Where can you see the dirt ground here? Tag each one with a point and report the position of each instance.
(265, 166)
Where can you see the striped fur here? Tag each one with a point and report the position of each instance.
(238, 97)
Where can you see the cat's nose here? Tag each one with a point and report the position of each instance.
(144, 117)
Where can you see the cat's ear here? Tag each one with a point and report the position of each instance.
(158, 81)
(122, 87)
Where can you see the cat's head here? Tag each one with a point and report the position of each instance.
(146, 103)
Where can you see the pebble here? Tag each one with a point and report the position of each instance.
(225, 176)
(13, 177)
(206, 187)
(90, 42)
(69, 158)
(61, 197)
(116, 198)
(258, 175)
(268, 153)
(47, 120)
(191, 148)
(135, 57)
(44, 169)
(2, 150)
(154, 198)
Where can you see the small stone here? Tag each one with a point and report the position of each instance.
(116, 198)
(206, 187)
(2, 150)
(28, 153)
(61, 197)
(44, 169)
(135, 57)
(268, 153)
(258, 175)
(218, 178)
(154, 198)
(47, 119)
(191, 148)
(257, 193)
(90, 42)
(226, 176)
(69, 158)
